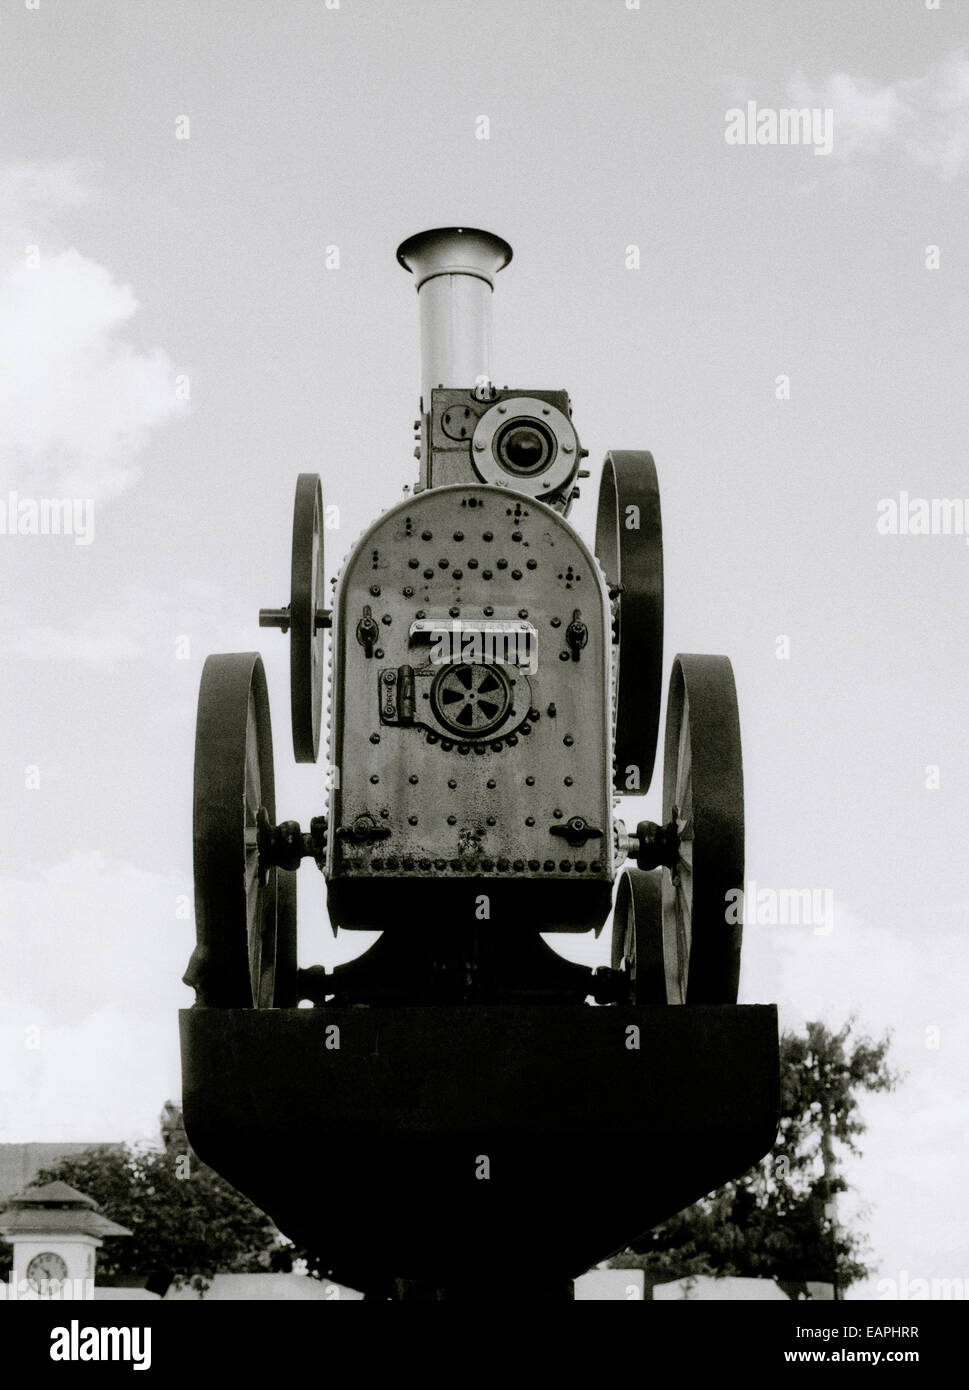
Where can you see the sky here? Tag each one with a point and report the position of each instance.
(785, 328)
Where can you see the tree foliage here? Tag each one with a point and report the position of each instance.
(186, 1222)
(779, 1220)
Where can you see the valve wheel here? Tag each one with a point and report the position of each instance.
(637, 936)
(471, 699)
(307, 605)
(237, 907)
(703, 795)
(629, 547)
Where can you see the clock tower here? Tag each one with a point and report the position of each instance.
(55, 1232)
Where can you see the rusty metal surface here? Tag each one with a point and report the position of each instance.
(482, 805)
(368, 1151)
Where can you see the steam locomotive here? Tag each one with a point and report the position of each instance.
(494, 688)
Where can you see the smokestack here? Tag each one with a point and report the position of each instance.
(455, 269)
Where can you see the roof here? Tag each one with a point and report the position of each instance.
(23, 1221)
(51, 1194)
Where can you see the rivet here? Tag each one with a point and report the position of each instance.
(564, 865)
(523, 612)
(452, 820)
(486, 574)
(374, 738)
(377, 863)
(529, 781)
(412, 779)
(451, 783)
(580, 866)
(502, 410)
(464, 748)
(457, 574)
(456, 865)
(384, 813)
(497, 745)
(516, 535)
(525, 729)
(459, 535)
(568, 740)
(513, 740)
(549, 865)
(375, 778)
(428, 574)
(443, 564)
(421, 613)
(552, 710)
(546, 410)
(533, 714)
(386, 620)
(488, 610)
(446, 745)
(424, 864)
(414, 564)
(492, 820)
(502, 864)
(425, 535)
(502, 564)
(440, 863)
(492, 783)
(518, 865)
(432, 738)
(568, 781)
(375, 590)
(392, 862)
(472, 564)
(556, 622)
(563, 656)
(534, 864)
(596, 866)
(488, 536)
(411, 820)
(487, 865)
(479, 446)
(516, 574)
(531, 564)
(408, 592)
(557, 814)
(529, 820)
(378, 653)
(407, 863)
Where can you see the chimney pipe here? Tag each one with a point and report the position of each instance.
(454, 268)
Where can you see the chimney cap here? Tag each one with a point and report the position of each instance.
(454, 251)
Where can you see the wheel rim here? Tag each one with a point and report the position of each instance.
(703, 794)
(637, 936)
(632, 558)
(307, 599)
(235, 904)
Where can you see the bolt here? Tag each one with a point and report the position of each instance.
(523, 612)
(390, 677)
(479, 446)
(568, 448)
(408, 592)
(375, 590)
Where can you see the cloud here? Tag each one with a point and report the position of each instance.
(77, 401)
(925, 118)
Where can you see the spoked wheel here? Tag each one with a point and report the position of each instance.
(637, 936)
(236, 902)
(629, 547)
(305, 618)
(703, 797)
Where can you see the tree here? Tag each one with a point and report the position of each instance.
(778, 1220)
(187, 1223)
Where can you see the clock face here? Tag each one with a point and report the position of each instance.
(45, 1268)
